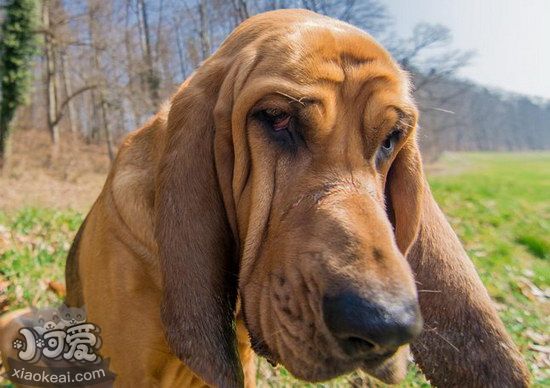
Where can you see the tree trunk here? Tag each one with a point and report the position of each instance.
(51, 80)
(93, 135)
(100, 80)
(130, 67)
(3, 142)
(5, 118)
(152, 78)
(203, 32)
(106, 126)
(241, 8)
(179, 44)
(68, 92)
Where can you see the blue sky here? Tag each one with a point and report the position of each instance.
(511, 38)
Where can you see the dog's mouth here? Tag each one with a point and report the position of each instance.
(319, 337)
(389, 367)
(258, 345)
(317, 355)
(261, 349)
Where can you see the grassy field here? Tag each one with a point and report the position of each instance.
(499, 204)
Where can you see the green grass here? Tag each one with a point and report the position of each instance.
(499, 204)
(536, 245)
(33, 247)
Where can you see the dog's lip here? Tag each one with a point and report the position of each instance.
(369, 364)
(380, 366)
(376, 360)
(260, 347)
(390, 368)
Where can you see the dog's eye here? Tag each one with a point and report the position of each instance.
(387, 147)
(276, 119)
(389, 143)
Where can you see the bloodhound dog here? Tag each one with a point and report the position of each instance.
(277, 206)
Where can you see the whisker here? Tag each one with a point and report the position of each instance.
(292, 98)
(434, 330)
(440, 110)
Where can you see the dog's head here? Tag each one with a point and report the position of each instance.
(291, 177)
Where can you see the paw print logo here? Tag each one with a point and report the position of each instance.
(40, 343)
(17, 344)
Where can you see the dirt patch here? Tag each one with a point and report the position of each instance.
(37, 174)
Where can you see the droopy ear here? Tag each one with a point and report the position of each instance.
(195, 244)
(464, 343)
(404, 189)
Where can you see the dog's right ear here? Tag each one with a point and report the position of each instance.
(466, 343)
(195, 242)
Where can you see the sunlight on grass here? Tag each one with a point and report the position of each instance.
(500, 208)
(33, 247)
(499, 204)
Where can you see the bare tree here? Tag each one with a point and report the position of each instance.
(241, 10)
(50, 72)
(107, 66)
(152, 78)
(93, 7)
(203, 30)
(68, 89)
(54, 46)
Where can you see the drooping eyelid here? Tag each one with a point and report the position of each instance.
(269, 104)
(282, 101)
(405, 120)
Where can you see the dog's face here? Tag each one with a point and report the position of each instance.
(324, 286)
(291, 164)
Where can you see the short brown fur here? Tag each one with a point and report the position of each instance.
(206, 219)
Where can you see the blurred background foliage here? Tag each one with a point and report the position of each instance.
(104, 67)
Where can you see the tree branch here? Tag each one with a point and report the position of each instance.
(60, 113)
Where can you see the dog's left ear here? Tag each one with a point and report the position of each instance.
(195, 244)
(404, 190)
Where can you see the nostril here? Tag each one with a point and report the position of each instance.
(360, 342)
(358, 345)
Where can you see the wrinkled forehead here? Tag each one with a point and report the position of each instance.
(309, 53)
(313, 53)
(306, 56)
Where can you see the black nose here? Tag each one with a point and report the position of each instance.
(361, 325)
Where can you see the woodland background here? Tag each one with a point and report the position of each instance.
(101, 68)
